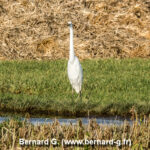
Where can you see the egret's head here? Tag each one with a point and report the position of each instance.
(70, 23)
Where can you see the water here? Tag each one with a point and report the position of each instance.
(85, 120)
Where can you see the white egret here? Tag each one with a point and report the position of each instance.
(75, 73)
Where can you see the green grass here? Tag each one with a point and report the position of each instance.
(110, 87)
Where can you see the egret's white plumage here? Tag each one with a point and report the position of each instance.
(75, 73)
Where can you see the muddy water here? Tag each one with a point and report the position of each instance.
(100, 120)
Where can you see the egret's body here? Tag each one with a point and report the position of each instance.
(75, 73)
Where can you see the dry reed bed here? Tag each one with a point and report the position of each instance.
(138, 133)
(37, 29)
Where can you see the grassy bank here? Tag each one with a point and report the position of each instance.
(137, 135)
(110, 87)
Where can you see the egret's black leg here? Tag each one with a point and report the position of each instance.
(80, 95)
(72, 93)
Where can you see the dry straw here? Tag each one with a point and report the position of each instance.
(37, 29)
(13, 130)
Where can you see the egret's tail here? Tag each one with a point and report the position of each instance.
(77, 89)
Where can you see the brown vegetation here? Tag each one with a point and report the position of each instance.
(103, 28)
(138, 133)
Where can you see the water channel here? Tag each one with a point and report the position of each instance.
(62, 120)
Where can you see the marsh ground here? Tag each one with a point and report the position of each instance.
(110, 87)
(136, 134)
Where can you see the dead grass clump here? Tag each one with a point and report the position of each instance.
(38, 29)
(12, 130)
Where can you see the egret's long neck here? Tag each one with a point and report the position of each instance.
(71, 53)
